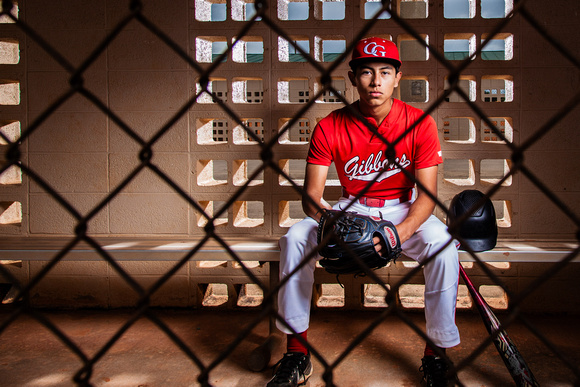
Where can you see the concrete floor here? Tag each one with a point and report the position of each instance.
(30, 355)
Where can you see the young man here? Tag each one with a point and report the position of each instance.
(360, 155)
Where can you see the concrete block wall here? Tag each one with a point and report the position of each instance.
(85, 154)
(98, 285)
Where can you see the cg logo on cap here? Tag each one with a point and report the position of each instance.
(373, 49)
(370, 48)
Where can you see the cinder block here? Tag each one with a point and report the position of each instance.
(330, 296)
(72, 132)
(65, 268)
(151, 268)
(71, 292)
(19, 270)
(537, 270)
(561, 296)
(146, 125)
(543, 94)
(552, 168)
(164, 14)
(173, 165)
(562, 137)
(45, 87)
(147, 90)
(71, 172)
(475, 269)
(173, 293)
(10, 93)
(535, 45)
(543, 218)
(75, 15)
(75, 46)
(224, 275)
(48, 217)
(148, 214)
(139, 49)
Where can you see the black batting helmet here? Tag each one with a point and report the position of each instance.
(479, 230)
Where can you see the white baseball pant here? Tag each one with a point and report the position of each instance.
(441, 273)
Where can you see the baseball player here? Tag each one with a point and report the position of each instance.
(361, 157)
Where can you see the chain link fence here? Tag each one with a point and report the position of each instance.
(13, 156)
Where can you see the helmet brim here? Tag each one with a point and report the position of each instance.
(478, 245)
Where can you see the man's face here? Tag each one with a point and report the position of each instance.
(375, 82)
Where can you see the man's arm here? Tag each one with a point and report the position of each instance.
(314, 183)
(422, 207)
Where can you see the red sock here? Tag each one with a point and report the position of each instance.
(430, 352)
(294, 345)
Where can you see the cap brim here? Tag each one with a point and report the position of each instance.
(357, 62)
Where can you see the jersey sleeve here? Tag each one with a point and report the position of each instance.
(319, 152)
(428, 147)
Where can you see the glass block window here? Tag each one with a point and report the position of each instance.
(492, 171)
(459, 9)
(503, 124)
(293, 90)
(497, 88)
(242, 135)
(467, 85)
(211, 131)
(414, 9)
(247, 90)
(328, 96)
(496, 9)
(210, 10)
(216, 89)
(501, 47)
(212, 172)
(412, 50)
(370, 8)
(329, 48)
(244, 170)
(298, 133)
(209, 48)
(293, 9)
(243, 10)
(414, 89)
(459, 172)
(459, 46)
(295, 169)
(459, 130)
(249, 49)
(288, 52)
(329, 9)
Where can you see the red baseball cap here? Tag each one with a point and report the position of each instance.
(375, 49)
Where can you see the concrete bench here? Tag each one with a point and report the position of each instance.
(46, 248)
(250, 248)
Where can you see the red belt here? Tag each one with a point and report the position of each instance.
(376, 202)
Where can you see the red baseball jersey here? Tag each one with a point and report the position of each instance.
(359, 154)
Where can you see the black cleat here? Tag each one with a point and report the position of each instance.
(436, 372)
(292, 370)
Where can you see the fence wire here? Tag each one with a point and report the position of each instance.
(14, 157)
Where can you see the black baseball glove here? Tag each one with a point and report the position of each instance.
(351, 247)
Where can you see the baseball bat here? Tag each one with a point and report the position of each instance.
(513, 360)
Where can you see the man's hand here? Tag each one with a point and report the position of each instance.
(379, 245)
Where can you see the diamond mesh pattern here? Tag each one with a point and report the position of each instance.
(266, 152)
